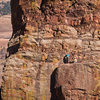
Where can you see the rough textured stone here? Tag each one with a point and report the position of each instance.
(74, 82)
(44, 31)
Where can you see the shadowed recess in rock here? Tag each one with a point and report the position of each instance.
(55, 92)
(13, 49)
(0, 94)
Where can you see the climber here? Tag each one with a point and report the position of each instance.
(67, 58)
(75, 60)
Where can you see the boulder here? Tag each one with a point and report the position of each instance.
(74, 82)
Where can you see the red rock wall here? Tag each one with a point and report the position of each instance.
(74, 82)
(43, 33)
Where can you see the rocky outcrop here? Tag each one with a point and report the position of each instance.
(74, 82)
(2, 61)
(44, 31)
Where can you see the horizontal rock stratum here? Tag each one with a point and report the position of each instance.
(44, 31)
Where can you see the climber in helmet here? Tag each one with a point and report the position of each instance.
(67, 58)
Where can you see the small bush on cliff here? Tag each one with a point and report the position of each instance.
(35, 6)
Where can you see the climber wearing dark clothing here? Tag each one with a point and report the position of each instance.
(66, 58)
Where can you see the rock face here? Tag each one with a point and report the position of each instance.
(2, 61)
(74, 82)
(44, 31)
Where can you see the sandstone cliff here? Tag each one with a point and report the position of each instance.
(74, 82)
(44, 31)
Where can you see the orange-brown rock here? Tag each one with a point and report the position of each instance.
(74, 82)
(44, 31)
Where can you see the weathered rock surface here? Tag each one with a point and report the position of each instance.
(74, 82)
(2, 61)
(44, 31)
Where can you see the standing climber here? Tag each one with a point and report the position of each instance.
(75, 59)
(67, 58)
